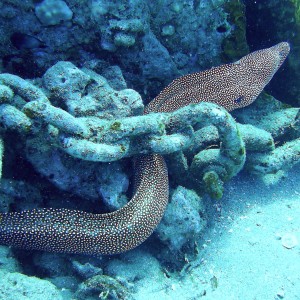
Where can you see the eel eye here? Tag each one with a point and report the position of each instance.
(239, 99)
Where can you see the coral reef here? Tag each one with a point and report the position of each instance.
(125, 102)
(7, 260)
(135, 268)
(50, 108)
(104, 286)
(68, 127)
(11, 190)
(281, 123)
(77, 88)
(87, 128)
(235, 45)
(182, 226)
(83, 133)
(17, 285)
(149, 40)
(86, 270)
(53, 12)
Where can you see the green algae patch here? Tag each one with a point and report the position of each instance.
(115, 126)
(213, 185)
(297, 10)
(162, 128)
(242, 151)
(123, 148)
(214, 283)
(235, 45)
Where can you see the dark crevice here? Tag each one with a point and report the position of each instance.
(267, 25)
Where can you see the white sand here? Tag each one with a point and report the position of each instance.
(245, 258)
(247, 252)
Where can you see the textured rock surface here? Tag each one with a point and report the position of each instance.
(18, 286)
(184, 219)
(167, 37)
(53, 12)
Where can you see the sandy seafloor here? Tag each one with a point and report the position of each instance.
(244, 257)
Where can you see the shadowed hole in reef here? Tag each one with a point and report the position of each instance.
(222, 29)
(16, 167)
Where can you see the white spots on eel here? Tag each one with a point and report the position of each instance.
(70, 231)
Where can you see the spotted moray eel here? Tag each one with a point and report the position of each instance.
(70, 231)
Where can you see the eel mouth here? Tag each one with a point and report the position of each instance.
(282, 49)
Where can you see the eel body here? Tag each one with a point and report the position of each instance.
(70, 231)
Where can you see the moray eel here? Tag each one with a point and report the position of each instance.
(69, 231)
